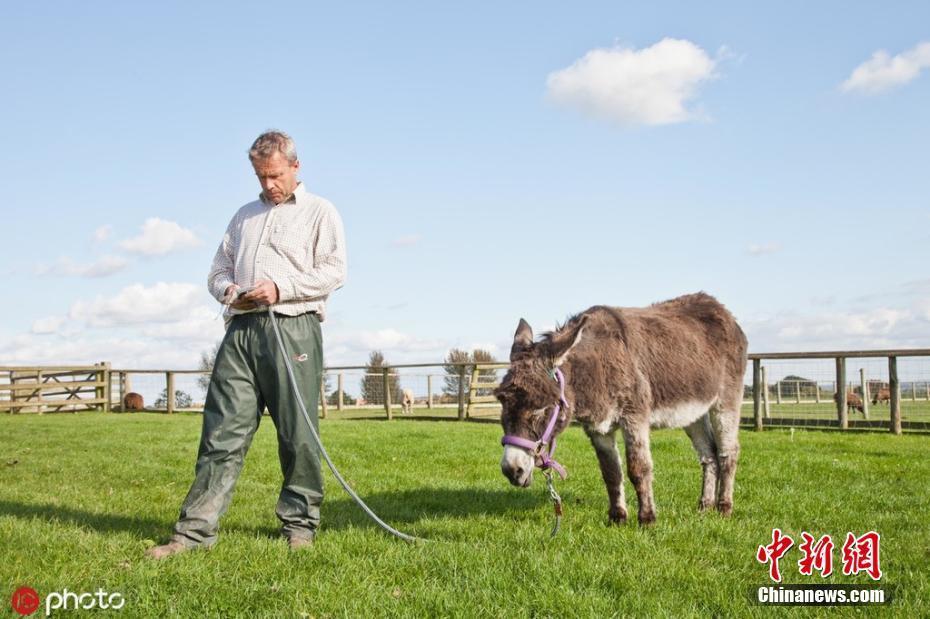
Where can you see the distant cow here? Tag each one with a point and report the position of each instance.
(133, 402)
(853, 402)
(882, 395)
(407, 401)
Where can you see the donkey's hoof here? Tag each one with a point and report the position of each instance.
(647, 519)
(725, 508)
(704, 505)
(617, 516)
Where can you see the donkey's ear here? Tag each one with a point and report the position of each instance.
(522, 339)
(565, 340)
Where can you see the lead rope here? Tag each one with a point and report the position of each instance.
(556, 503)
(316, 437)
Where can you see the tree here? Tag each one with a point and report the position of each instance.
(451, 380)
(333, 398)
(207, 359)
(450, 385)
(182, 399)
(373, 382)
(487, 375)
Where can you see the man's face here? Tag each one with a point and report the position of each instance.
(277, 175)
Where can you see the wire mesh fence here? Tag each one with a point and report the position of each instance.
(863, 389)
(423, 390)
(850, 389)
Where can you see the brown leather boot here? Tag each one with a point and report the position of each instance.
(166, 550)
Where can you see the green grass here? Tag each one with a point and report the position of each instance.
(82, 496)
(918, 411)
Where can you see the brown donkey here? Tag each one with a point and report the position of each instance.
(677, 364)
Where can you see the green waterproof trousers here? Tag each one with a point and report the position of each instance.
(249, 375)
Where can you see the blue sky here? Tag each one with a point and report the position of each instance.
(490, 161)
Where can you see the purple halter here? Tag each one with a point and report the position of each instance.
(544, 448)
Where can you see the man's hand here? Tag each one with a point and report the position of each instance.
(232, 299)
(265, 292)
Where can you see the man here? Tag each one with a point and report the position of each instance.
(287, 249)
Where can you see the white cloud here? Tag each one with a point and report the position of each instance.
(760, 249)
(86, 349)
(876, 328)
(102, 233)
(200, 323)
(45, 326)
(165, 325)
(138, 304)
(67, 267)
(160, 237)
(650, 86)
(406, 241)
(883, 72)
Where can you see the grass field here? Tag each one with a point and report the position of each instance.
(82, 496)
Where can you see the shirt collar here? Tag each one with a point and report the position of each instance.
(299, 193)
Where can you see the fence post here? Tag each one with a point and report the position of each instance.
(472, 388)
(107, 387)
(765, 395)
(864, 388)
(169, 379)
(778, 392)
(462, 392)
(13, 392)
(913, 391)
(797, 391)
(817, 392)
(895, 388)
(757, 392)
(322, 395)
(841, 412)
(122, 391)
(386, 381)
(429, 391)
(339, 387)
(41, 407)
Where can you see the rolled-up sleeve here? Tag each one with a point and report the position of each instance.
(222, 272)
(328, 272)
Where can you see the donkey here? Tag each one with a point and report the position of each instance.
(679, 363)
(883, 396)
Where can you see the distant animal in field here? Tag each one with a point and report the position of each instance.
(882, 395)
(407, 401)
(853, 402)
(676, 364)
(132, 401)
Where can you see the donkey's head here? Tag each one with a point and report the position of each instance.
(528, 394)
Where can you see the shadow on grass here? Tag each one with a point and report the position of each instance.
(403, 508)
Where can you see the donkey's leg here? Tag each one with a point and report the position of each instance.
(725, 425)
(700, 434)
(639, 468)
(605, 446)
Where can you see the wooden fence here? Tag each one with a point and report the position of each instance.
(48, 389)
(54, 389)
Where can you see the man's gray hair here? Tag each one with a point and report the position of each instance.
(271, 142)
